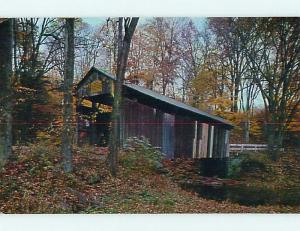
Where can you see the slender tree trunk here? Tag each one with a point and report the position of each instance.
(67, 135)
(15, 60)
(235, 99)
(115, 133)
(247, 127)
(6, 51)
(232, 101)
(123, 51)
(183, 95)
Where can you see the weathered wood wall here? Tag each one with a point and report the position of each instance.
(202, 139)
(220, 142)
(95, 85)
(184, 133)
(140, 120)
(177, 136)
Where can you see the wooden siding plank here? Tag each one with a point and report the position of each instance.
(204, 140)
(195, 139)
(199, 139)
(168, 136)
(211, 141)
(215, 142)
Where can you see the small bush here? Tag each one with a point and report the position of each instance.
(252, 165)
(138, 154)
(248, 162)
(234, 167)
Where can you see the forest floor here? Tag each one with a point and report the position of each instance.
(35, 183)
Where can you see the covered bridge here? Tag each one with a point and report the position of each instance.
(178, 129)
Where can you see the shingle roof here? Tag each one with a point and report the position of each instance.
(176, 103)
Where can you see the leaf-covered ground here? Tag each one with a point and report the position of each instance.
(35, 183)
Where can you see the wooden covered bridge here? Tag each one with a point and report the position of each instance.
(178, 129)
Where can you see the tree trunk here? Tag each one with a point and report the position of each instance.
(123, 51)
(67, 134)
(6, 51)
(115, 133)
(275, 138)
(236, 96)
(247, 128)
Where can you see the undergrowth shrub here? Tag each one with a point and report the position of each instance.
(234, 167)
(140, 155)
(42, 156)
(248, 163)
